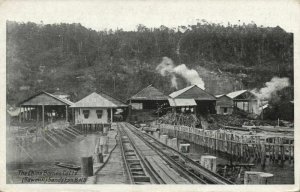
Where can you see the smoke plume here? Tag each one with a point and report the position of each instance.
(276, 84)
(167, 67)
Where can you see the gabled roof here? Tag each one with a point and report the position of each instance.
(149, 93)
(192, 92)
(61, 99)
(234, 94)
(176, 93)
(37, 99)
(98, 100)
(114, 100)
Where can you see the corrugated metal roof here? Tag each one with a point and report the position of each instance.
(98, 100)
(234, 94)
(193, 92)
(149, 93)
(33, 100)
(114, 100)
(182, 102)
(61, 99)
(179, 92)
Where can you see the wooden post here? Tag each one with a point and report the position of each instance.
(43, 115)
(209, 162)
(163, 139)
(156, 134)
(100, 158)
(30, 110)
(87, 166)
(73, 115)
(20, 117)
(174, 143)
(111, 115)
(37, 114)
(23, 113)
(27, 115)
(252, 177)
(263, 155)
(66, 113)
(184, 148)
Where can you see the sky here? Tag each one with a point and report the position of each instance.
(127, 15)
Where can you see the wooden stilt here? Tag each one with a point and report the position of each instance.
(43, 116)
(66, 113)
(20, 117)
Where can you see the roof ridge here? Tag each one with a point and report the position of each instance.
(111, 96)
(187, 88)
(241, 92)
(141, 90)
(49, 94)
(206, 92)
(95, 99)
(190, 87)
(60, 99)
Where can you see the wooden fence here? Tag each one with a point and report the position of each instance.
(240, 146)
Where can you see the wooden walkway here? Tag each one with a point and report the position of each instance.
(241, 146)
(113, 172)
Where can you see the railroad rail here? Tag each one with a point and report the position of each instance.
(134, 165)
(186, 167)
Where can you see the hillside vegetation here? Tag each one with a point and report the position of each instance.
(79, 60)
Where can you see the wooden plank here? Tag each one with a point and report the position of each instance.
(170, 171)
(165, 177)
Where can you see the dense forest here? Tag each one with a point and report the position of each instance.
(79, 60)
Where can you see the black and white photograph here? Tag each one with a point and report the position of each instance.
(177, 93)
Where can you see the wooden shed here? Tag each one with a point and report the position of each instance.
(96, 109)
(205, 101)
(224, 105)
(245, 100)
(148, 98)
(44, 106)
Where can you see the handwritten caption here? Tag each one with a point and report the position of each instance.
(49, 176)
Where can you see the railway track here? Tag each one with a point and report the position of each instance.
(192, 171)
(134, 164)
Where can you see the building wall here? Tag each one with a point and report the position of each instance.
(250, 106)
(221, 110)
(147, 104)
(224, 103)
(92, 119)
(137, 106)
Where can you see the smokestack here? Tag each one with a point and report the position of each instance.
(167, 67)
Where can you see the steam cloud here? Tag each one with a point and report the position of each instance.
(272, 86)
(167, 67)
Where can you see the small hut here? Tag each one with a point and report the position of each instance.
(204, 100)
(96, 109)
(224, 105)
(245, 100)
(148, 98)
